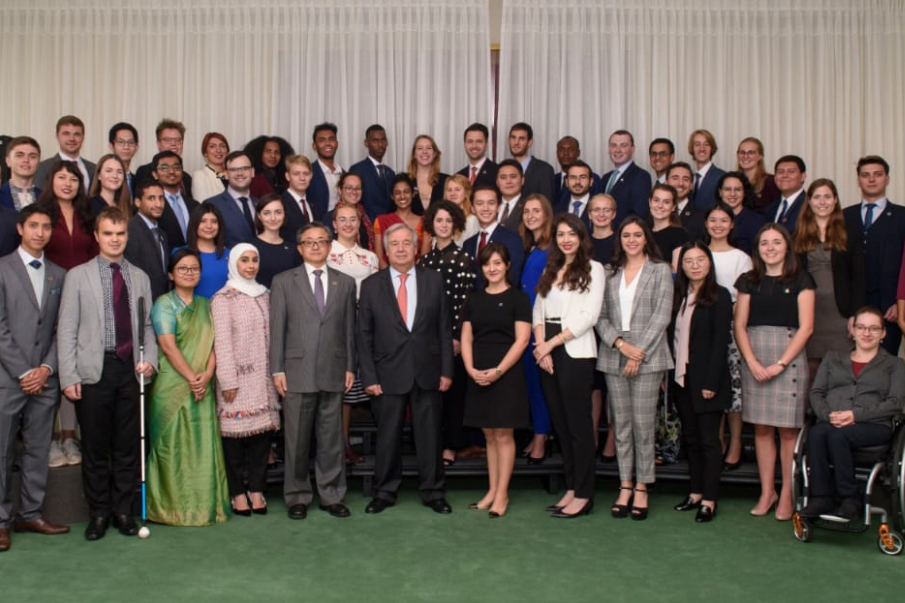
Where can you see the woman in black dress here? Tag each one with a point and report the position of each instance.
(664, 222)
(496, 325)
(276, 254)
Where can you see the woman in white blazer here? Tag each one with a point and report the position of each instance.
(210, 180)
(569, 296)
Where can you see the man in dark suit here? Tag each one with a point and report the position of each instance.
(628, 183)
(123, 140)
(70, 136)
(312, 360)
(510, 182)
(406, 357)
(170, 137)
(790, 177)
(578, 179)
(679, 175)
(376, 177)
(177, 212)
(30, 291)
(22, 157)
(295, 198)
(325, 171)
(236, 203)
(148, 247)
(538, 173)
(702, 147)
(9, 238)
(485, 203)
(662, 152)
(481, 170)
(568, 151)
(883, 225)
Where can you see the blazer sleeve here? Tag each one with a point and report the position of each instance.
(146, 325)
(585, 312)
(719, 347)
(444, 335)
(68, 330)
(605, 328)
(654, 331)
(278, 319)
(351, 360)
(11, 357)
(51, 357)
(221, 310)
(819, 389)
(365, 333)
(889, 406)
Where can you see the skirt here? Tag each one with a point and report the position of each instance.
(735, 375)
(356, 393)
(781, 401)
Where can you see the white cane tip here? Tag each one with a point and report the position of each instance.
(144, 532)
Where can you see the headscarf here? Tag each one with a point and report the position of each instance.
(238, 282)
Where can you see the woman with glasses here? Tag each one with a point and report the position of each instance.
(750, 156)
(735, 191)
(403, 192)
(349, 187)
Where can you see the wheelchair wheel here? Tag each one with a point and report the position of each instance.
(804, 532)
(897, 479)
(890, 542)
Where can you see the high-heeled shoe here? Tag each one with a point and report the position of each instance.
(727, 466)
(553, 508)
(621, 511)
(585, 510)
(534, 460)
(705, 514)
(476, 506)
(757, 513)
(639, 513)
(242, 512)
(258, 510)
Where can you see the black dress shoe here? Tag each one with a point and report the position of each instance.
(732, 466)
(688, 504)
(552, 508)
(705, 514)
(585, 510)
(298, 511)
(535, 460)
(817, 506)
(97, 528)
(439, 506)
(336, 510)
(125, 524)
(377, 505)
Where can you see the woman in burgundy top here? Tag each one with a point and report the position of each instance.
(72, 241)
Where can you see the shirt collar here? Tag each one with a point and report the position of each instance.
(27, 257)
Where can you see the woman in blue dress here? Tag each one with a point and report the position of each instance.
(208, 238)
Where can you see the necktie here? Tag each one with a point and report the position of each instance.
(697, 182)
(304, 205)
(243, 201)
(35, 264)
(382, 174)
(869, 217)
(576, 208)
(121, 317)
(505, 213)
(180, 217)
(482, 243)
(319, 292)
(782, 211)
(474, 174)
(158, 236)
(402, 298)
(611, 183)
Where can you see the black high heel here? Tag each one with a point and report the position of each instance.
(621, 511)
(585, 510)
(639, 513)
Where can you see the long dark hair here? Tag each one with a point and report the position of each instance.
(720, 206)
(790, 266)
(80, 204)
(494, 247)
(255, 150)
(707, 294)
(650, 247)
(191, 236)
(749, 197)
(578, 273)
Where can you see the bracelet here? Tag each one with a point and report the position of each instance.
(620, 343)
(498, 371)
(781, 363)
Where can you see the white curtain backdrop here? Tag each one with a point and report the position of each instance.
(819, 78)
(248, 67)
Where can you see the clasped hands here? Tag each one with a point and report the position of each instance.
(842, 418)
(634, 356)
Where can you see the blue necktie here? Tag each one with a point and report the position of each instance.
(869, 217)
(35, 264)
(576, 208)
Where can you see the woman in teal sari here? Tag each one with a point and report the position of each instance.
(186, 480)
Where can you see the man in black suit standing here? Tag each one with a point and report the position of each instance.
(123, 140)
(883, 224)
(376, 176)
(295, 198)
(791, 175)
(148, 247)
(680, 176)
(325, 170)
(627, 183)
(538, 173)
(481, 170)
(167, 170)
(170, 137)
(510, 181)
(485, 202)
(406, 357)
(568, 151)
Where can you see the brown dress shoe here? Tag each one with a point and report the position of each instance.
(41, 526)
(4, 539)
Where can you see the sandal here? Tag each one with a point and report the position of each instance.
(621, 511)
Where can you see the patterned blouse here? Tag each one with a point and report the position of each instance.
(456, 267)
(355, 262)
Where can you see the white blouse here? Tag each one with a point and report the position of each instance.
(626, 299)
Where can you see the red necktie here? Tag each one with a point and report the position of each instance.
(474, 175)
(482, 242)
(402, 298)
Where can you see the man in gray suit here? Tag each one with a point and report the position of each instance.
(98, 347)
(30, 289)
(70, 135)
(312, 358)
(539, 177)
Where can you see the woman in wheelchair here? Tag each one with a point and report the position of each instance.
(855, 397)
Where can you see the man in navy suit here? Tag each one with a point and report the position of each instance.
(485, 203)
(325, 171)
(167, 170)
(568, 151)
(236, 203)
(296, 208)
(791, 174)
(480, 169)
(22, 157)
(538, 174)
(578, 178)
(123, 140)
(662, 152)
(679, 176)
(628, 184)
(376, 177)
(702, 147)
(148, 247)
(883, 225)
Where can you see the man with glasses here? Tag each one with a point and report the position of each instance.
(662, 153)
(627, 183)
(236, 203)
(579, 179)
(123, 139)
(170, 137)
(167, 170)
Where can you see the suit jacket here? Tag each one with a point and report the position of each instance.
(485, 177)
(144, 172)
(514, 218)
(295, 219)
(565, 206)
(513, 243)
(791, 218)
(27, 332)
(580, 313)
(314, 352)
(391, 355)
(80, 332)
(631, 191)
(744, 229)
(539, 179)
(45, 167)
(376, 198)
(318, 193)
(692, 220)
(9, 236)
(651, 313)
(705, 198)
(848, 273)
(237, 228)
(563, 195)
(143, 251)
(883, 247)
(169, 223)
(6, 196)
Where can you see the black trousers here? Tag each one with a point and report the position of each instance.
(246, 458)
(568, 394)
(829, 445)
(454, 431)
(108, 414)
(702, 438)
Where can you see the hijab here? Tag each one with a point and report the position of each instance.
(238, 282)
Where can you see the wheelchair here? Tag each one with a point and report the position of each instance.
(882, 470)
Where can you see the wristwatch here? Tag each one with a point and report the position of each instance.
(782, 363)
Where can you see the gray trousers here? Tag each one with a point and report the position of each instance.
(36, 412)
(634, 404)
(319, 414)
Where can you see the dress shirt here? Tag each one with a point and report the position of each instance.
(179, 207)
(879, 208)
(411, 291)
(703, 171)
(311, 278)
(510, 204)
(682, 204)
(332, 177)
(627, 299)
(581, 208)
(303, 205)
(22, 197)
(789, 201)
(35, 275)
(107, 295)
(155, 232)
(617, 174)
(489, 230)
(525, 163)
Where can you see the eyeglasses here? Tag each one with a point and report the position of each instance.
(749, 153)
(660, 153)
(603, 210)
(873, 329)
(352, 189)
(694, 262)
(125, 143)
(169, 168)
(314, 243)
(239, 169)
(171, 140)
(185, 270)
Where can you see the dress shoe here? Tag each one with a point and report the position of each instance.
(495, 514)
(439, 506)
(705, 514)
(298, 511)
(553, 508)
(377, 505)
(621, 511)
(40, 526)
(761, 513)
(607, 459)
(97, 527)
(535, 460)
(585, 510)
(126, 525)
(688, 504)
(4, 540)
(242, 512)
(639, 513)
(476, 506)
(817, 506)
(336, 510)
(732, 466)
(849, 509)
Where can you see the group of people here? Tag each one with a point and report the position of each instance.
(498, 298)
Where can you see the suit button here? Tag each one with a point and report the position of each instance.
(793, 395)
(39, 323)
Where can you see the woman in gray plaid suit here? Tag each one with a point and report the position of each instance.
(634, 356)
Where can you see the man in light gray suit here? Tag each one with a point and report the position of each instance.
(30, 289)
(312, 359)
(98, 346)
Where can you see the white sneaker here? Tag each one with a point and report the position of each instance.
(57, 458)
(72, 451)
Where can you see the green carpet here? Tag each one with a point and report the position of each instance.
(409, 553)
